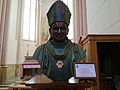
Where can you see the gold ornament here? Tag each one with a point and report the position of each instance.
(59, 64)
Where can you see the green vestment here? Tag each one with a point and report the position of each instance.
(50, 53)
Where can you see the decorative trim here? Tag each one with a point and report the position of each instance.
(3, 66)
(101, 38)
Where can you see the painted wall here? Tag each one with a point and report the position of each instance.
(103, 16)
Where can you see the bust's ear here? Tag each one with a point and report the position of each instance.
(67, 31)
(50, 31)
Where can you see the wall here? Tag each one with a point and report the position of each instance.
(103, 16)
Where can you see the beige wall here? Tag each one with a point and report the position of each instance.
(103, 16)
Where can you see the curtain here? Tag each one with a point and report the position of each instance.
(43, 22)
(19, 28)
(38, 21)
(4, 13)
(79, 19)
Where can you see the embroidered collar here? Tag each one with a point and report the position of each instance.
(66, 46)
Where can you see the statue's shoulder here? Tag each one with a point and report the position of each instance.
(41, 47)
(76, 45)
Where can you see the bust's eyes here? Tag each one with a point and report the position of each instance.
(59, 29)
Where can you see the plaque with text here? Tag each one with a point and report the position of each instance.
(84, 70)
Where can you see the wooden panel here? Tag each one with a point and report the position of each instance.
(90, 44)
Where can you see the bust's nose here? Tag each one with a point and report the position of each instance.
(59, 30)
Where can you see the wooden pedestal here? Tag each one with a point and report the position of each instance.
(62, 86)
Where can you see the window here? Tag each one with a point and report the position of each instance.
(29, 20)
(69, 3)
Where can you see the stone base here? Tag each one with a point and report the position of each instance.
(9, 72)
(3, 70)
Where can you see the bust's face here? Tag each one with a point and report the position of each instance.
(59, 31)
